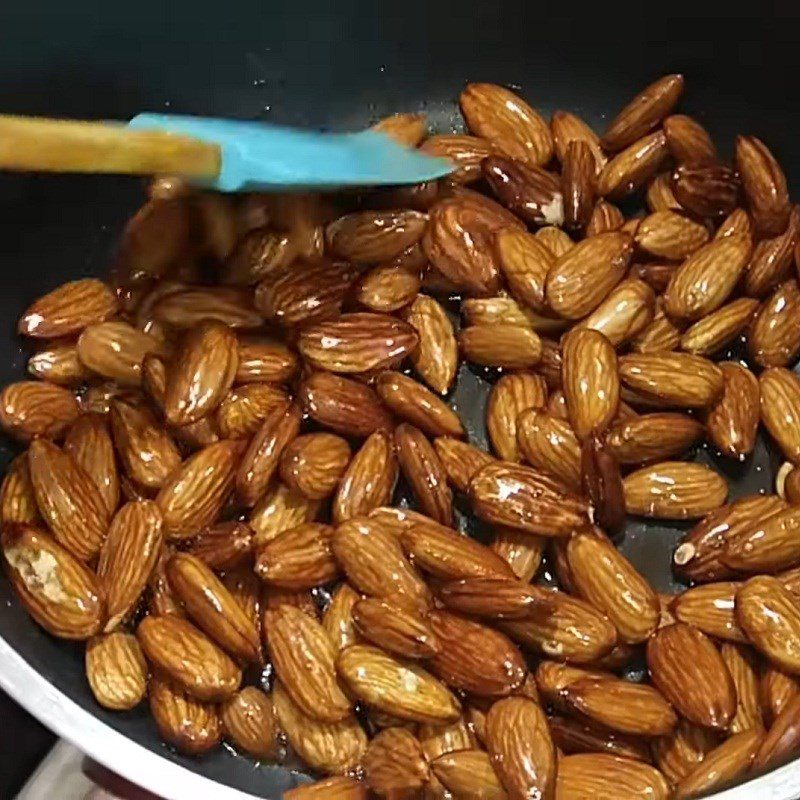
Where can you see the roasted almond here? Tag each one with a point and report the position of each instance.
(279, 510)
(190, 306)
(58, 364)
(659, 195)
(633, 166)
(781, 740)
(688, 140)
(660, 335)
(777, 689)
(652, 437)
(522, 498)
(549, 444)
(768, 545)
(679, 753)
(509, 397)
(507, 121)
(116, 671)
(566, 128)
(771, 262)
(505, 310)
(394, 764)
(260, 253)
(249, 723)
(580, 736)
(435, 358)
(466, 152)
(313, 464)
(625, 313)
(605, 218)
(780, 409)
(719, 328)
(373, 236)
(89, 443)
(388, 287)
(58, 591)
(744, 667)
(773, 339)
(530, 192)
(468, 773)
(671, 235)
(584, 776)
(31, 408)
(394, 627)
(17, 495)
(299, 558)
(674, 490)
(578, 183)
(224, 545)
(505, 346)
(524, 262)
(264, 360)
(677, 379)
(406, 129)
(461, 461)
(764, 186)
(709, 608)
(191, 726)
(338, 617)
(116, 350)
(707, 190)
(244, 409)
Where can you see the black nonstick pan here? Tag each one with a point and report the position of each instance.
(339, 65)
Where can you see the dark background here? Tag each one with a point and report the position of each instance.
(338, 64)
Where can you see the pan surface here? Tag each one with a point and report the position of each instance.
(338, 65)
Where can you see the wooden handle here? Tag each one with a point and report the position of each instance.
(54, 145)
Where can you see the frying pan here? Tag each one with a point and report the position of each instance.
(338, 65)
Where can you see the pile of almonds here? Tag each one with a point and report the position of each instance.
(215, 437)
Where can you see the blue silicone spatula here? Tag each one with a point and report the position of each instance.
(226, 155)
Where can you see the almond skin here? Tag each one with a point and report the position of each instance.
(116, 671)
(605, 218)
(503, 346)
(188, 307)
(191, 726)
(264, 360)
(777, 689)
(718, 329)
(531, 193)
(466, 152)
(707, 190)
(468, 773)
(58, 364)
(598, 570)
(395, 764)
(710, 609)
(89, 443)
(68, 499)
(411, 401)
(17, 496)
(661, 335)
(705, 280)
(224, 545)
(773, 338)
(744, 667)
(461, 461)
(670, 235)
(338, 617)
(507, 121)
(679, 753)
(31, 409)
(632, 167)
(336, 788)
(211, 607)
(678, 379)
(331, 747)
(244, 409)
(58, 591)
(780, 409)
(521, 498)
(550, 445)
(394, 627)
(567, 127)
(578, 184)
(625, 313)
(591, 385)
(299, 558)
(688, 141)
(510, 396)
(584, 776)
(279, 510)
(356, 343)
(192, 497)
(769, 545)
(652, 437)
(399, 688)
(771, 263)
(68, 309)
(764, 186)
(249, 723)
(182, 652)
(674, 490)
(303, 657)
(313, 464)
(128, 557)
(372, 236)
(435, 358)
(524, 262)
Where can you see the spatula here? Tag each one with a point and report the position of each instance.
(226, 155)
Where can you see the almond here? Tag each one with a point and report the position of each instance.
(764, 186)
(709, 608)
(643, 113)
(260, 253)
(632, 167)
(678, 379)
(68, 309)
(521, 498)
(244, 409)
(128, 557)
(373, 236)
(313, 464)
(30, 408)
(279, 510)
(89, 443)
(505, 310)
(263, 360)
(303, 657)
(411, 401)
(336, 788)
(388, 287)
(781, 740)
(592, 775)
(475, 658)
(509, 397)
(567, 128)
(435, 358)
(550, 445)
(605, 218)
(583, 277)
(524, 262)
(659, 195)
(668, 234)
(736, 223)
(725, 763)
(661, 335)
(224, 545)
(394, 764)
(395, 627)
(332, 747)
(679, 753)
(17, 495)
(58, 364)
(773, 339)
(554, 239)
(777, 689)
(553, 678)
(249, 723)
(191, 726)
(625, 313)
(771, 262)
(705, 280)
(262, 457)
(374, 562)
(652, 437)
(689, 141)
(494, 598)
(674, 490)
(116, 671)
(698, 557)
(58, 591)
(768, 545)
(357, 343)
(461, 461)
(466, 152)
(507, 121)
(468, 773)
(297, 559)
(116, 350)
(780, 409)
(579, 736)
(343, 405)
(591, 385)
(688, 669)
(399, 688)
(531, 193)
(719, 328)
(189, 307)
(602, 484)
(578, 183)
(505, 346)
(369, 480)
(405, 129)
(195, 493)
(338, 617)
(744, 667)
(707, 190)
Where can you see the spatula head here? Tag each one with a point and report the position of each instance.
(260, 157)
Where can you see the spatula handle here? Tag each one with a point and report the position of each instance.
(52, 145)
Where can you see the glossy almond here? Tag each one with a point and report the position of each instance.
(31, 408)
(659, 195)
(506, 346)
(435, 358)
(89, 443)
(249, 723)
(68, 309)
(718, 329)
(578, 184)
(507, 121)
(336, 788)
(668, 234)
(116, 671)
(461, 461)
(771, 262)
(372, 236)
(299, 558)
(550, 444)
(244, 409)
(224, 545)
(58, 591)
(780, 409)
(116, 350)
(406, 129)
(674, 490)
(343, 405)
(624, 314)
(583, 277)
(357, 343)
(191, 726)
(338, 617)
(643, 113)
(394, 627)
(331, 747)
(591, 384)
(531, 193)
(776, 690)
(503, 309)
(280, 509)
(774, 335)
(400, 688)
(313, 464)
(262, 457)
(17, 496)
(260, 253)
(744, 667)
(303, 656)
(524, 262)
(633, 166)
(605, 218)
(509, 397)
(468, 773)
(466, 152)
(707, 190)
(567, 127)
(522, 498)
(679, 753)
(660, 335)
(193, 495)
(128, 557)
(58, 364)
(394, 764)
(688, 141)
(710, 609)
(705, 280)
(678, 379)
(180, 651)
(764, 185)
(424, 473)
(264, 360)
(584, 776)
(369, 480)
(652, 437)
(599, 571)
(188, 307)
